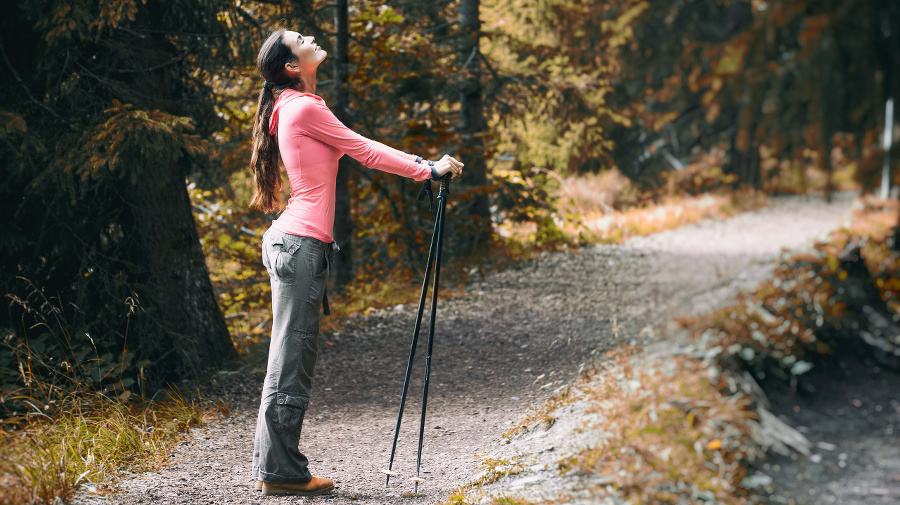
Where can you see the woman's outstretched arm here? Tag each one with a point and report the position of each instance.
(317, 121)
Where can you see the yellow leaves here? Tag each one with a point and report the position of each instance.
(663, 119)
(714, 445)
(620, 29)
(832, 262)
(230, 243)
(731, 60)
(113, 12)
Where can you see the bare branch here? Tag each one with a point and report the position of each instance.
(166, 63)
(23, 84)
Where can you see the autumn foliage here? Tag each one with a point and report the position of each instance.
(697, 108)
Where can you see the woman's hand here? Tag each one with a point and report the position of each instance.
(450, 164)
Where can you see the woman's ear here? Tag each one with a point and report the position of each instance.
(292, 68)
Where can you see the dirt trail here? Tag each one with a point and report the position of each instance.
(542, 318)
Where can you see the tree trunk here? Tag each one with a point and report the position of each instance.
(181, 328)
(343, 222)
(831, 100)
(477, 232)
(895, 246)
(744, 146)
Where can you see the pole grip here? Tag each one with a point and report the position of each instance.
(445, 183)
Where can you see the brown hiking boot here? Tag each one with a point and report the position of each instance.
(257, 484)
(317, 485)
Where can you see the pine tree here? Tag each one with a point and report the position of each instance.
(106, 110)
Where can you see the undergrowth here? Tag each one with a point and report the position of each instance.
(49, 452)
(72, 413)
(667, 431)
(816, 304)
(608, 208)
(683, 429)
(661, 431)
(492, 470)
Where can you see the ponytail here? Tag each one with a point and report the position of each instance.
(264, 156)
(271, 60)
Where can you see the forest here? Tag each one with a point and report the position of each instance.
(130, 253)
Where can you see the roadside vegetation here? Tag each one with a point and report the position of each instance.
(687, 427)
(88, 407)
(91, 441)
(76, 421)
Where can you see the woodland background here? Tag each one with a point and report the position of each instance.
(130, 258)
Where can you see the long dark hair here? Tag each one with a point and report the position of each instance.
(273, 55)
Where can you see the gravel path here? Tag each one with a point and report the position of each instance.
(542, 317)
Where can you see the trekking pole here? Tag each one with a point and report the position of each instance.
(434, 259)
(442, 206)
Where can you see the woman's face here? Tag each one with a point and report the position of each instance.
(308, 54)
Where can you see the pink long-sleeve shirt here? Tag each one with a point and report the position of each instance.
(311, 141)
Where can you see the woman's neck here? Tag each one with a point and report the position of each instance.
(306, 85)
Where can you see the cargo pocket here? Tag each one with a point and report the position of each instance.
(290, 411)
(283, 259)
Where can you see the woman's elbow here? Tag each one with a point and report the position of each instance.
(369, 158)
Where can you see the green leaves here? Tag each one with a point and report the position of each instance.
(561, 58)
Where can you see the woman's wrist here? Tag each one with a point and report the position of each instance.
(434, 173)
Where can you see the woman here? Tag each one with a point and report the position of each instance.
(293, 122)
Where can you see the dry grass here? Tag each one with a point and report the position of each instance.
(48, 454)
(662, 431)
(492, 470)
(666, 432)
(608, 208)
(678, 430)
(70, 414)
(543, 413)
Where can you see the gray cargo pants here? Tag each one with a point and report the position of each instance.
(299, 268)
